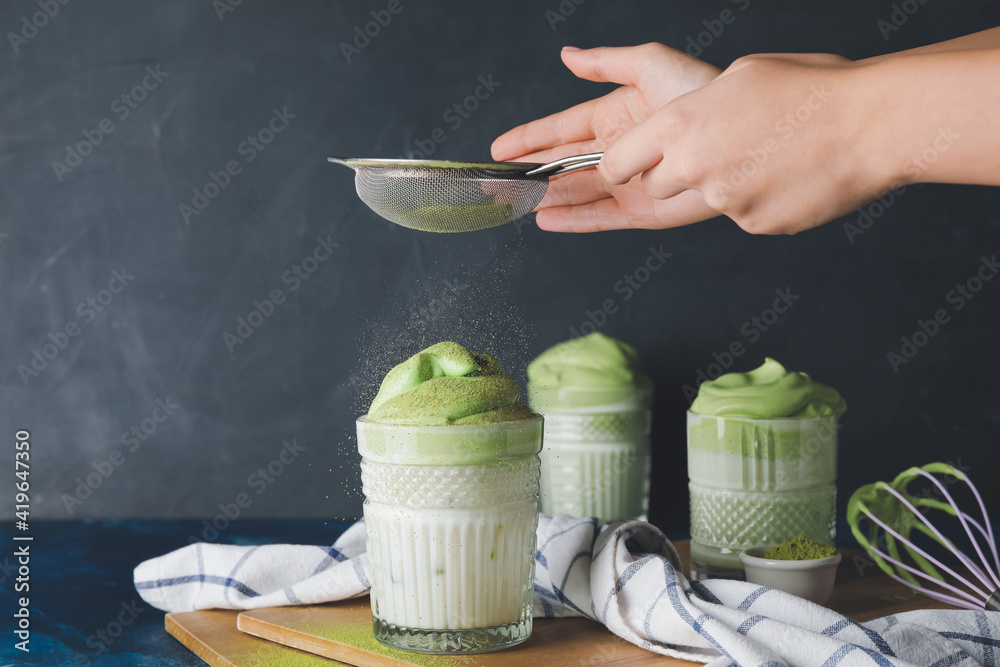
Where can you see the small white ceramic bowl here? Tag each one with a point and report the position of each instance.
(809, 579)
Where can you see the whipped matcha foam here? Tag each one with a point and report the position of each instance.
(767, 392)
(586, 371)
(446, 384)
(768, 413)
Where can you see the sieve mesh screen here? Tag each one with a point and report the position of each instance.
(448, 199)
(440, 196)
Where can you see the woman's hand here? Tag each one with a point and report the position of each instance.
(651, 76)
(779, 143)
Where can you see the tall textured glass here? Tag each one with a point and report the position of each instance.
(451, 514)
(596, 459)
(757, 482)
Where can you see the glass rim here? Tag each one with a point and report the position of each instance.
(534, 419)
(642, 383)
(444, 444)
(760, 420)
(610, 398)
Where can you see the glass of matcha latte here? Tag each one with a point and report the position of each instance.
(450, 476)
(596, 404)
(762, 464)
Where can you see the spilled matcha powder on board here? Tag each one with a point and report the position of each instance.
(360, 636)
(800, 547)
(281, 656)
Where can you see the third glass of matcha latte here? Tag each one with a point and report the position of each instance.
(450, 476)
(762, 463)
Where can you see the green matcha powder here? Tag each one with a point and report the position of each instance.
(800, 547)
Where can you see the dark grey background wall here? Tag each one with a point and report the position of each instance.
(148, 397)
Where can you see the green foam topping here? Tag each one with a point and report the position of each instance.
(446, 384)
(767, 392)
(594, 360)
(590, 370)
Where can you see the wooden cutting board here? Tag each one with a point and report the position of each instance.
(342, 630)
(213, 637)
(323, 630)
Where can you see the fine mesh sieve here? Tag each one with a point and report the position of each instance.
(443, 196)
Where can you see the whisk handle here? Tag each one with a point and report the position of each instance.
(993, 602)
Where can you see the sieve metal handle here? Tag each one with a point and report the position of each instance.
(340, 160)
(567, 164)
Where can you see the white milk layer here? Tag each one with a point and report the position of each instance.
(451, 547)
(609, 480)
(596, 463)
(451, 568)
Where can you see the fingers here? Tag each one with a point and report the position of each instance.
(629, 65)
(584, 187)
(575, 130)
(660, 72)
(609, 64)
(641, 213)
(638, 149)
(686, 208)
(551, 154)
(660, 181)
(573, 189)
(569, 126)
(596, 216)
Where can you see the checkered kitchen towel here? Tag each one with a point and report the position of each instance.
(625, 575)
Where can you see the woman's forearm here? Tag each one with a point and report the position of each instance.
(939, 116)
(985, 39)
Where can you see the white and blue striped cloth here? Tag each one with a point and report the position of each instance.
(624, 575)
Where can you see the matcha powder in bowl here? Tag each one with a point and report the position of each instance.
(800, 547)
(799, 566)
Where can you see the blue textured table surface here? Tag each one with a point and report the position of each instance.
(83, 608)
